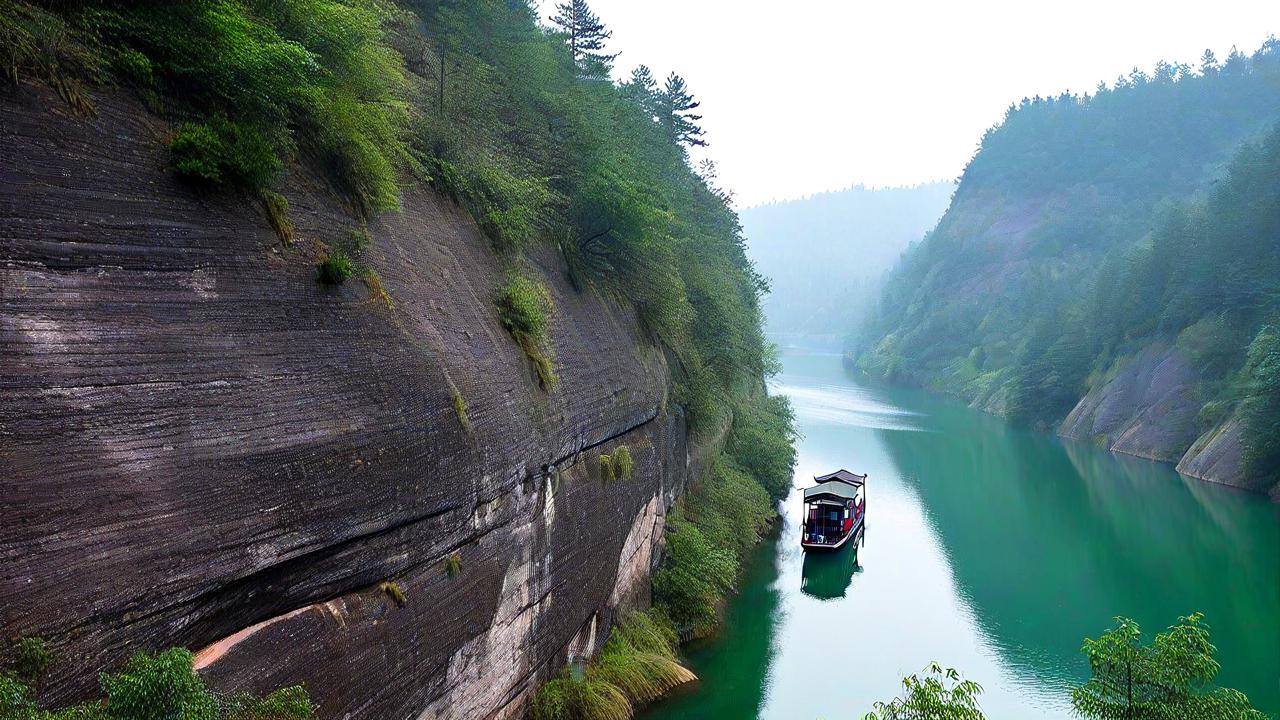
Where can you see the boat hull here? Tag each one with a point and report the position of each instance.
(853, 532)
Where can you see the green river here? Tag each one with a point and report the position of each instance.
(989, 548)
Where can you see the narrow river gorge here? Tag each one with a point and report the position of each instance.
(989, 548)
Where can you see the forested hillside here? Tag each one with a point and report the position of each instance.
(405, 329)
(826, 255)
(517, 123)
(1120, 247)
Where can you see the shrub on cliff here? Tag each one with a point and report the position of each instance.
(1260, 407)
(336, 268)
(762, 442)
(252, 79)
(163, 686)
(524, 309)
(510, 209)
(694, 577)
(220, 150)
(724, 514)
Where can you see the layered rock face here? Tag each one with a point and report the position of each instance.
(200, 445)
(1149, 408)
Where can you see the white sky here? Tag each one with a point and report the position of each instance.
(801, 96)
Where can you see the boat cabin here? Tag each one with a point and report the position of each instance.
(833, 509)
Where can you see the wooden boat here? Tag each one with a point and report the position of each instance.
(834, 510)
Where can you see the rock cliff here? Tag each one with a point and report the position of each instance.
(1149, 407)
(202, 446)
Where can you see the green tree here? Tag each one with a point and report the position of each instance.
(676, 106)
(586, 36)
(155, 687)
(941, 694)
(1208, 62)
(1171, 679)
(642, 89)
(1261, 407)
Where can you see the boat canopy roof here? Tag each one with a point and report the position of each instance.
(833, 491)
(843, 476)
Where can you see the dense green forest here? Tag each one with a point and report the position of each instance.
(1089, 227)
(827, 254)
(518, 122)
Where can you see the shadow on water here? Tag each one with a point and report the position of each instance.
(828, 575)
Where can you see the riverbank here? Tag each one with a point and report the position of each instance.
(951, 490)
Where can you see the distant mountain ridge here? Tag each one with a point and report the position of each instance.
(825, 255)
(1110, 266)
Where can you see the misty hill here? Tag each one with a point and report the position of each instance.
(825, 255)
(1112, 260)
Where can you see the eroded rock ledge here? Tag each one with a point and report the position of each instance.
(1149, 407)
(202, 446)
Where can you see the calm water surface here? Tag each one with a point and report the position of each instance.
(991, 549)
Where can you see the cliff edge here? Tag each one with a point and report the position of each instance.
(204, 446)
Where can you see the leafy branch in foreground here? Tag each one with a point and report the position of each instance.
(1169, 679)
(941, 694)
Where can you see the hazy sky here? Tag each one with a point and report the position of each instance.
(809, 95)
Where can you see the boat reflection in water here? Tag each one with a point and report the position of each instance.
(827, 576)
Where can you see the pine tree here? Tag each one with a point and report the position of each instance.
(1236, 63)
(586, 36)
(643, 90)
(1208, 63)
(676, 108)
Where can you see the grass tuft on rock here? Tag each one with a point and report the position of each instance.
(393, 591)
(637, 666)
(569, 698)
(31, 658)
(453, 565)
(277, 209)
(336, 268)
(623, 463)
(460, 407)
(377, 291)
(524, 309)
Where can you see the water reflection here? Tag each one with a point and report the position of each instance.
(1049, 541)
(828, 575)
(997, 551)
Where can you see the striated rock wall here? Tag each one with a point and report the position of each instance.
(1149, 408)
(202, 446)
